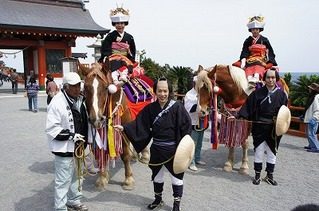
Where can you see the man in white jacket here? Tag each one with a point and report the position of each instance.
(312, 118)
(66, 126)
(199, 124)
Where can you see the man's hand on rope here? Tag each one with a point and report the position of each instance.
(118, 127)
(78, 137)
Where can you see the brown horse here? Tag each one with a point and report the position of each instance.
(104, 109)
(231, 85)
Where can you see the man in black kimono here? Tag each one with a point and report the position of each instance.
(167, 122)
(262, 107)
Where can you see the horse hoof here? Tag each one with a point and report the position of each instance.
(102, 182)
(128, 184)
(228, 168)
(100, 188)
(128, 187)
(244, 171)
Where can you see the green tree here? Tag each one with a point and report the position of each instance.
(299, 89)
(153, 69)
(181, 78)
(287, 78)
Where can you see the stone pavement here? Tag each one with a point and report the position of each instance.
(27, 173)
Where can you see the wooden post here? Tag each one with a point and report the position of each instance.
(42, 66)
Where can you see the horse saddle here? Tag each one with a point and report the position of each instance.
(137, 90)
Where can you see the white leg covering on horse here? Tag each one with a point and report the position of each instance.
(159, 178)
(259, 152)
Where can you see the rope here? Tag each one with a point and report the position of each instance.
(80, 156)
(126, 140)
(250, 121)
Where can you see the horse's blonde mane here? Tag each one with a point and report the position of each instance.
(202, 79)
(239, 77)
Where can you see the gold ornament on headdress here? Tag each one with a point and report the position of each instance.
(257, 18)
(119, 10)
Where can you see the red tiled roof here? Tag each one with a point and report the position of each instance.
(61, 16)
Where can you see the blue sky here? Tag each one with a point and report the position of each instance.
(208, 32)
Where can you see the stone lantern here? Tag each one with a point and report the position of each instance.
(97, 47)
(69, 64)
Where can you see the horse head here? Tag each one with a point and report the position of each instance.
(96, 81)
(204, 88)
(228, 82)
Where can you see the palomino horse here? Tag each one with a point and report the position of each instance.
(231, 85)
(104, 110)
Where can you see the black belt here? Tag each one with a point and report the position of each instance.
(263, 119)
(163, 142)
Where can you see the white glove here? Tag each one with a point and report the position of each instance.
(78, 137)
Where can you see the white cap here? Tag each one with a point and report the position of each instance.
(71, 78)
(256, 22)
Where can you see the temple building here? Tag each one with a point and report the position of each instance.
(45, 30)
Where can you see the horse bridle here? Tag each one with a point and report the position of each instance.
(99, 73)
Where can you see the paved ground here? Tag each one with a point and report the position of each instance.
(26, 172)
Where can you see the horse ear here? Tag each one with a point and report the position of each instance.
(106, 65)
(200, 68)
(82, 69)
(106, 68)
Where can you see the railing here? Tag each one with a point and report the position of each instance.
(297, 126)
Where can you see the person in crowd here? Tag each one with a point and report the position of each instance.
(262, 107)
(257, 51)
(311, 118)
(66, 128)
(119, 42)
(32, 90)
(167, 122)
(14, 81)
(51, 88)
(199, 124)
